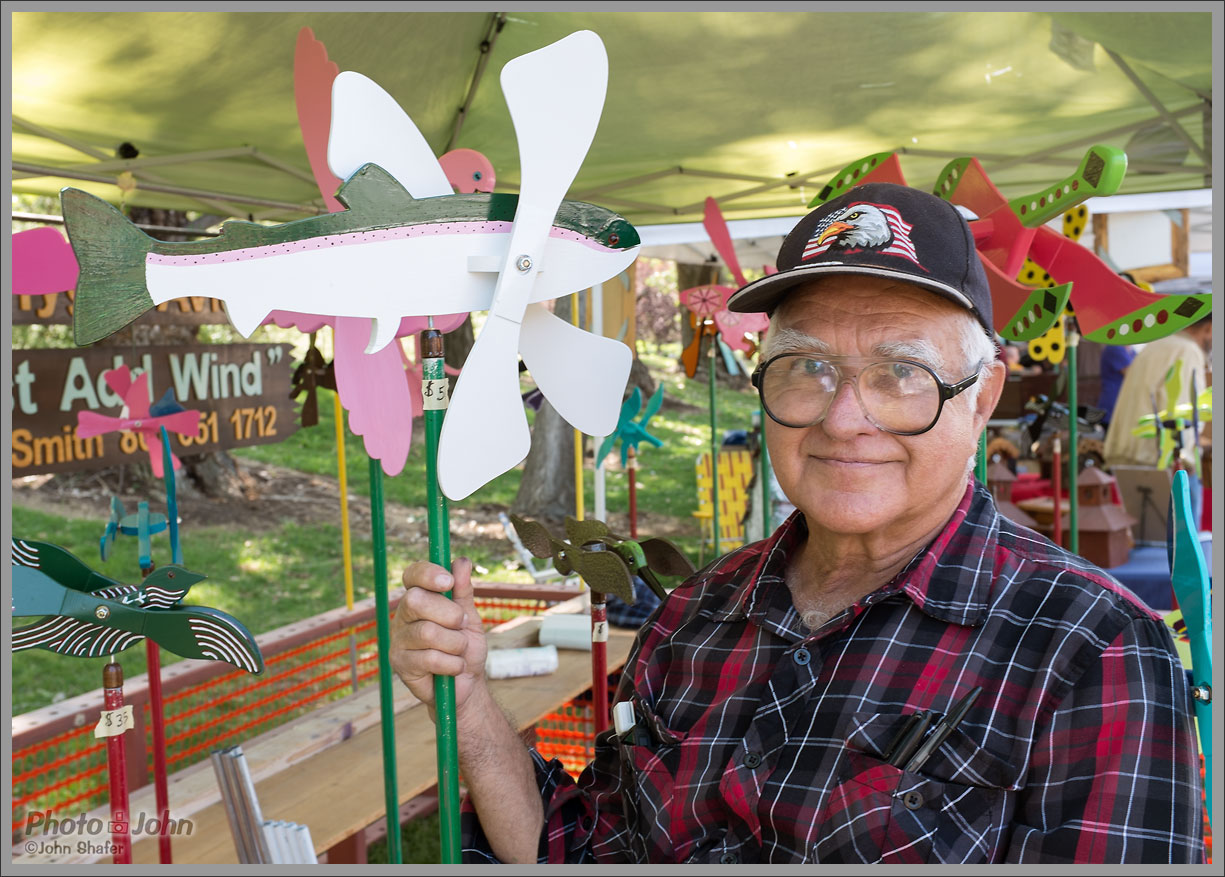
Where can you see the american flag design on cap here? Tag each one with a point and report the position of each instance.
(864, 226)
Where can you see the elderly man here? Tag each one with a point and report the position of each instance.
(898, 674)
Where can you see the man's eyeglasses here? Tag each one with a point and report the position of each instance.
(897, 395)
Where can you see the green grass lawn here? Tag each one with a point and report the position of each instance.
(665, 475)
(289, 572)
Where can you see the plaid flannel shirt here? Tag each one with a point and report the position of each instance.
(764, 739)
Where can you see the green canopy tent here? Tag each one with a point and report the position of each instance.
(757, 109)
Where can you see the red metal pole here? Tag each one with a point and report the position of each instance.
(1056, 483)
(599, 660)
(153, 661)
(112, 698)
(631, 470)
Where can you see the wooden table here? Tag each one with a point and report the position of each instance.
(325, 770)
(340, 790)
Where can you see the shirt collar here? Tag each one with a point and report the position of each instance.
(950, 579)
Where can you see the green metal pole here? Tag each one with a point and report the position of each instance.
(766, 506)
(980, 465)
(1073, 445)
(434, 390)
(382, 613)
(714, 454)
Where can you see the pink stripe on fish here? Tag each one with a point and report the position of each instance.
(352, 238)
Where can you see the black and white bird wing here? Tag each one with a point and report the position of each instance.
(58, 564)
(70, 636)
(206, 634)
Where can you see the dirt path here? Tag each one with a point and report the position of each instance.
(275, 495)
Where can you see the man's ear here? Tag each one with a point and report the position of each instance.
(993, 376)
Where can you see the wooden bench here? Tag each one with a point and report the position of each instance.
(325, 770)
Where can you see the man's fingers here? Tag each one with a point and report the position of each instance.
(435, 663)
(462, 593)
(417, 605)
(417, 670)
(424, 635)
(430, 576)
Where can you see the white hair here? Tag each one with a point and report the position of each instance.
(977, 348)
(981, 353)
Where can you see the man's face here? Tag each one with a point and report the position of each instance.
(845, 474)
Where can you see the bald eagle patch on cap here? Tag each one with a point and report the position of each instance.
(883, 230)
(864, 226)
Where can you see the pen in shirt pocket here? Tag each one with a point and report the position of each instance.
(908, 738)
(626, 726)
(942, 731)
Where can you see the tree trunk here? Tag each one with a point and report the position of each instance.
(640, 377)
(547, 489)
(457, 344)
(214, 474)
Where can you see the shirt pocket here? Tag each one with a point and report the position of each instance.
(951, 810)
(648, 784)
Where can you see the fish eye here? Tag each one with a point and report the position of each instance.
(476, 175)
(614, 238)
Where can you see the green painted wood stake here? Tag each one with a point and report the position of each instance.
(382, 612)
(714, 454)
(1073, 341)
(435, 393)
(767, 511)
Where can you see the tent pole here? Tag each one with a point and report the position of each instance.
(382, 613)
(1073, 342)
(346, 546)
(714, 454)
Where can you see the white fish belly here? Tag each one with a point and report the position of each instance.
(417, 276)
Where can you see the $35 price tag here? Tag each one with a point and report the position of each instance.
(114, 722)
(434, 394)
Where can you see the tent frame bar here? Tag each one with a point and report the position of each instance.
(52, 219)
(134, 164)
(199, 194)
(1094, 138)
(1147, 166)
(1158, 105)
(216, 204)
(497, 20)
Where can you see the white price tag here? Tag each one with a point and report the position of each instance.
(599, 632)
(114, 722)
(434, 394)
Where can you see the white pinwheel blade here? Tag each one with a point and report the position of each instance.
(555, 96)
(489, 435)
(555, 114)
(369, 126)
(583, 375)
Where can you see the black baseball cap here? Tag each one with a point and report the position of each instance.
(882, 229)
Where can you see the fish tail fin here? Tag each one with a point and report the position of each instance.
(110, 251)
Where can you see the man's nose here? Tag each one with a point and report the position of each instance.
(845, 417)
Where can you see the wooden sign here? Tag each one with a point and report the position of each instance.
(242, 391)
(56, 308)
